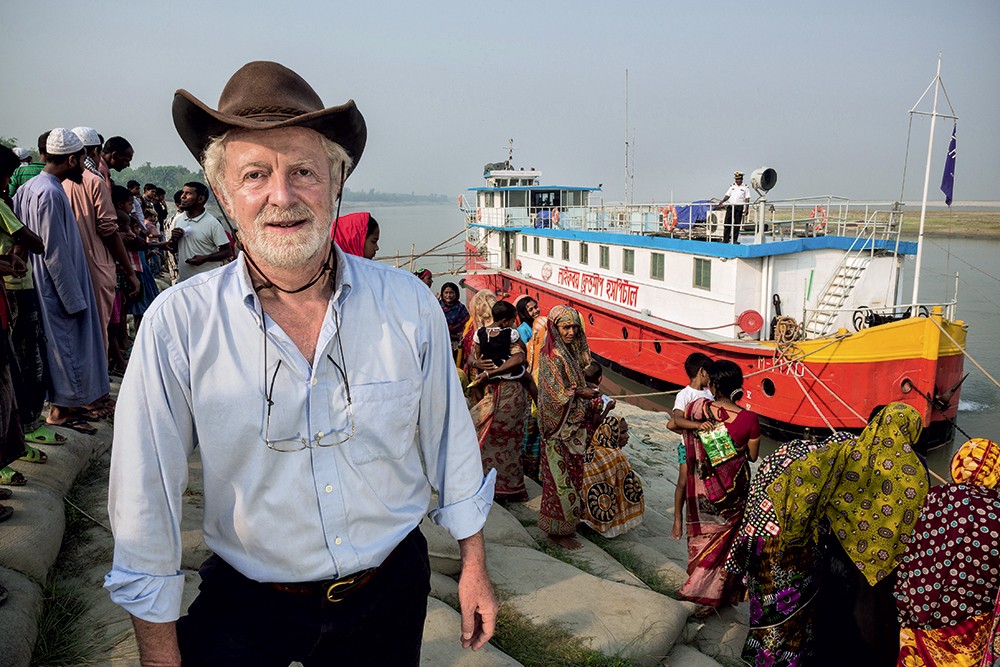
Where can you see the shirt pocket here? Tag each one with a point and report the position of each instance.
(385, 420)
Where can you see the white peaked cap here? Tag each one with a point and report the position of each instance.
(63, 142)
(88, 136)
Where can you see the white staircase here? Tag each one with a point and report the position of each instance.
(836, 294)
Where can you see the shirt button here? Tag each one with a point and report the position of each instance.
(328, 489)
(314, 381)
(337, 541)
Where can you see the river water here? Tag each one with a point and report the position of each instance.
(975, 260)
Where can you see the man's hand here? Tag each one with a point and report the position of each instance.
(475, 594)
(134, 286)
(197, 260)
(157, 643)
(176, 235)
(12, 265)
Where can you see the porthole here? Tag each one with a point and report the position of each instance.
(590, 318)
(767, 385)
(657, 346)
(624, 333)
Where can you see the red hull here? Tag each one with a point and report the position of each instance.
(845, 394)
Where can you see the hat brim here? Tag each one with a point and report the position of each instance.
(197, 124)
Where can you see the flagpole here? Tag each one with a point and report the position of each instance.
(914, 311)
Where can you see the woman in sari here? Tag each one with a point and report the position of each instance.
(455, 313)
(527, 311)
(947, 584)
(562, 397)
(824, 531)
(356, 234)
(499, 415)
(717, 491)
(613, 501)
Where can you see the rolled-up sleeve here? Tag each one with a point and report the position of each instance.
(447, 437)
(149, 474)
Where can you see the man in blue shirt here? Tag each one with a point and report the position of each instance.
(301, 375)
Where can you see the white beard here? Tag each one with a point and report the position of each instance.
(286, 251)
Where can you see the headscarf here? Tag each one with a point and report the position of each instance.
(608, 433)
(480, 315)
(560, 374)
(870, 489)
(350, 231)
(977, 462)
(456, 314)
(951, 569)
(419, 273)
(520, 304)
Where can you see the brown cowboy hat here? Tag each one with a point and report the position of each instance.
(264, 95)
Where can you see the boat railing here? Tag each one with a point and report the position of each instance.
(864, 317)
(768, 220)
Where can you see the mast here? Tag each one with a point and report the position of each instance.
(923, 205)
(625, 196)
(938, 87)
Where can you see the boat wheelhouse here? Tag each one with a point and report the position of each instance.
(808, 303)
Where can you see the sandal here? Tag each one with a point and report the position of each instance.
(77, 424)
(3, 594)
(43, 435)
(34, 455)
(5, 512)
(11, 477)
(5, 494)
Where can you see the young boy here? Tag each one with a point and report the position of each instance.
(599, 407)
(696, 367)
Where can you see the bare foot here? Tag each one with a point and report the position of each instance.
(703, 611)
(565, 541)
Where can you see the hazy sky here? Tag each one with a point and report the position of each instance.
(819, 91)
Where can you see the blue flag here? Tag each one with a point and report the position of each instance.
(948, 180)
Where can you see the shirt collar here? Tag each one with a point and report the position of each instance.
(342, 282)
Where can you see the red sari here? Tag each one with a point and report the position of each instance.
(712, 526)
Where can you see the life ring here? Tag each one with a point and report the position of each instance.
(819, 216)
(479, 214)
(555, 216)
(669, 215)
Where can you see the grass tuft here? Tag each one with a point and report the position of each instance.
(623, 553)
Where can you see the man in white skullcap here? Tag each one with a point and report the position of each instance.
(78, 370)
(92, 143)
(23, 154)
(97, 220)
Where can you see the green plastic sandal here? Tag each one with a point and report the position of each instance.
(34, 455)
(44, 435)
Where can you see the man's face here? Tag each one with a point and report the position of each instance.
(75, 163)
(149, 195)
(739, 180)
(280, 193)
(190, 199)
(119, 161)
(134, 190)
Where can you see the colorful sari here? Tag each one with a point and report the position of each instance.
(949, 578)
(561, 423)
(866, 492)
(480, 315)
(531, 447)
(499, 420)
(781, 582)
(456, 315)
(712, 525)
(613, 501)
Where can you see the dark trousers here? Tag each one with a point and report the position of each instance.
(28, 341)
(236, 621)
(734, 221)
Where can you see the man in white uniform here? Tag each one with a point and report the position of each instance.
(738, 198)
(199, 237)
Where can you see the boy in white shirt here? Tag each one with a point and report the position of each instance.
(695, 366)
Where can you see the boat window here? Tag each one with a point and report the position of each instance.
(550, 247)
(628, 260)
(584, 254)
(702, 273)
(487, 199)
(517, 198)
(524, 244)
(605, 257)
(534, 245)
(656, 266)
(565, 250)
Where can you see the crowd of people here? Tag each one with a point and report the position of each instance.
(844, 551)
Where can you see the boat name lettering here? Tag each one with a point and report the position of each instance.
(796, 368)
(615, 290)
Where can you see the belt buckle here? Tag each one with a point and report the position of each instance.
(338, 590)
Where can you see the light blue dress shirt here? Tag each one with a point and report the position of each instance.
(197, 379)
